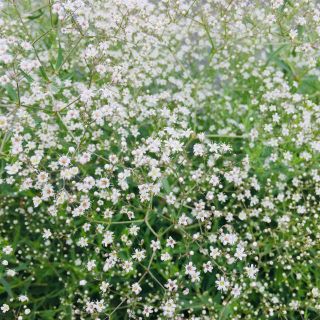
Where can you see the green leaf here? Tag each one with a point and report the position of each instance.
(59, 59)
(55, 19)
(166, 185)
(43, 73)
(28, 77)
(37, 14)
(22, 266)
(309, 85)
(6, 287)
(11, 92)
(47, 314)
(285, 67)
(273, 55)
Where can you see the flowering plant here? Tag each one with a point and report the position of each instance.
(159, 159)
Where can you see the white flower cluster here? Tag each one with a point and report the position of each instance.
(159, 159)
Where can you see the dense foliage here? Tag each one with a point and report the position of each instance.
(159, 159)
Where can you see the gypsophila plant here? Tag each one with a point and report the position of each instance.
(159, 159)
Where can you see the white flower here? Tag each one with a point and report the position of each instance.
(82, 282)
(91, 265)
(171, 285)
(171, 199)
(240, 253)
(315, 292)
(147, 310)
(139, 255)
(171, 242)
(236, 291)
(207, 267)
(214, 180)
(23, 298)
(14, 168)
(136, 288)
(103, 183)
(3, 122)
(155, 245)
(7, 250)
(5, 308)
(46, 234)
(64, 161)
(190, 268)
(107, 238)
(154, 173)
(293, 33)
(86, 95)
(169, 308)
(251, 271)
(199, 149)
(11, 273)
(36, 201)
(27, 311)
(276, 3)
(104, 286)
(222, 284)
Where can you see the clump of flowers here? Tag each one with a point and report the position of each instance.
(159, 159)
